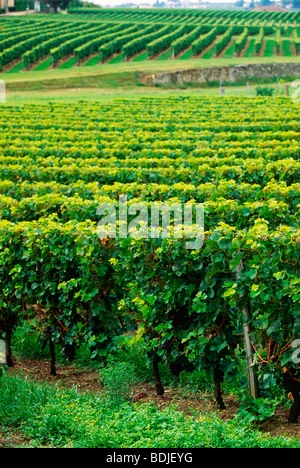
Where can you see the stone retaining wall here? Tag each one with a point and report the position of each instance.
(230, 74)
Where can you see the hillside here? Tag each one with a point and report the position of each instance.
(87, 38)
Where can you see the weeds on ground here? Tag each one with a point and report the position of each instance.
(57, 417)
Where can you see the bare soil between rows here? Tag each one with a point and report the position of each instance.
(87, 380)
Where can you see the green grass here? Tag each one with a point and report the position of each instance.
(141, 57)
(44, 65)
(48, 415)
(166, 55)
(92, 61)
(249, 52)
(209, 53)
(73, 95)
(187, 54)
(117, 59)
(17, 68)
(108, 94)
(269, 49)
(229, 53)
(286, 48)
(68, 64)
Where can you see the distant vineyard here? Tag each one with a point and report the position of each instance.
(86, 37)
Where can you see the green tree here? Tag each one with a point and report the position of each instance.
(53, 5)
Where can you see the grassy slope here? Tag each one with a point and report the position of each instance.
(73, 95)
(119, 74)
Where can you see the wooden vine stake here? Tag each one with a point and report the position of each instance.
(252, 377)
